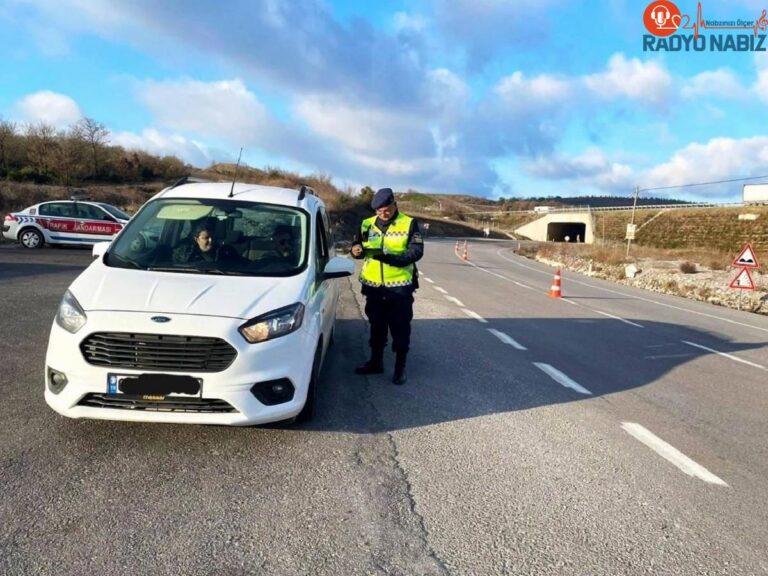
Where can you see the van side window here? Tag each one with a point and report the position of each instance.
(321, 244)
(328, 230)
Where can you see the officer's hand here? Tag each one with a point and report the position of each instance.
(356, 250)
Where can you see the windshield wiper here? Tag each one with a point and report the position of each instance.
(173, 269)
(124, 260)
(222, 272)
(216, 271)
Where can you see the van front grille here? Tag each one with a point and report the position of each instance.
(163, 352)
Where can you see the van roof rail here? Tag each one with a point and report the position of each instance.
(188, 180)
(304, 190)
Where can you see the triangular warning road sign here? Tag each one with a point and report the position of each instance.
(747, 258)
(743, 280)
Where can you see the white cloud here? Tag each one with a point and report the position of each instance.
(760, 87)
(155, 142)
(366, 130)
(409, 22)
(718, 159)
(486, 29)
(50, 108)
(522, 93)
(722, 83)
(645, 82)
(224, 109)
(446, 91)
(590, 168)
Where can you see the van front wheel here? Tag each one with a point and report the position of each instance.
(308, 411)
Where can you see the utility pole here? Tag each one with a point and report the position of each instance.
(631, 227)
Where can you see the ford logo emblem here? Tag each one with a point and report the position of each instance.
(161, 319)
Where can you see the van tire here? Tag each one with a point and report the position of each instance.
(308, 411)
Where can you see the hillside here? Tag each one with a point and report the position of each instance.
(717, 229)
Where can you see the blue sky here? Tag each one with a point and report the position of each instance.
(485, 97)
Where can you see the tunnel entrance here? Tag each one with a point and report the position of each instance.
(566, 231)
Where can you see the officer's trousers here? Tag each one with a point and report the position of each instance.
(393, 314)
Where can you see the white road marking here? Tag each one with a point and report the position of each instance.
(620, 319)
(484, 270)
(625, 294)
(454, 300)
(571, 302)
(441, 290)
(522, 285)
(507, 339)
(670, 453)
(428, 279)
(729, 356)
(561, 378)
(474, 315)
(662, 356)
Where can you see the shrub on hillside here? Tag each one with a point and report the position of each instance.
(688, 267)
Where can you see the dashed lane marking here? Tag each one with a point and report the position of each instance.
(620, 319)
(561, 378)
(670, 453)
(474, 315)
(726, 355)
(442, 291)
(454, 300)
(507, 339)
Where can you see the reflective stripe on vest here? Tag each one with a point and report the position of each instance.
(394, 241)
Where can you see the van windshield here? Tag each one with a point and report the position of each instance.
(227, 237)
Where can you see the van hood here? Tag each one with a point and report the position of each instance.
(100, 287)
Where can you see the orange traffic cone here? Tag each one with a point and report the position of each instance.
(554, 291)
(466, 253)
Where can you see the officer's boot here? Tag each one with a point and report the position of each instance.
(400, 377)
(375, 365)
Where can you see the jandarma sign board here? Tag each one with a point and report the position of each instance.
(674, 31)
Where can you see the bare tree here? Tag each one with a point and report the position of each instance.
(41, 148)
(7, 134)
(71, 158)
(96, 137)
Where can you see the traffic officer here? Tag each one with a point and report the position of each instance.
(390, 244)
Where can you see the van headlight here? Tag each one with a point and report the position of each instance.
(70, 315)
(273, 324)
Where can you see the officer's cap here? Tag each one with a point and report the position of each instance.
(383, 197)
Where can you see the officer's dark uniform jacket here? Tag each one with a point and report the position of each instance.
(390, 251)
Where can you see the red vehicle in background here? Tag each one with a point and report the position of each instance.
(65, 222)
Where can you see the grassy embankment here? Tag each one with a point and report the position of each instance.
(345, 208)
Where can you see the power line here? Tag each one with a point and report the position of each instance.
(702, 183)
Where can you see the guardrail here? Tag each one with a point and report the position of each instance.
(611, 208)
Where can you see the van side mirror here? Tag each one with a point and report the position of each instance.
(338, 267)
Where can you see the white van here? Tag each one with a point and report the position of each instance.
(215, 305)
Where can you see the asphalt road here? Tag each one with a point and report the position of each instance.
(612, 431)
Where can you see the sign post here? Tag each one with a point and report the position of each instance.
(632, 222)
(744, 261)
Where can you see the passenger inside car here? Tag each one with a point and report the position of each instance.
(283, 254)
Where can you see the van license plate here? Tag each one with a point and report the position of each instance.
(154, 385)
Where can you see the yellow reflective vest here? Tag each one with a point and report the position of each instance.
(394, 241)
